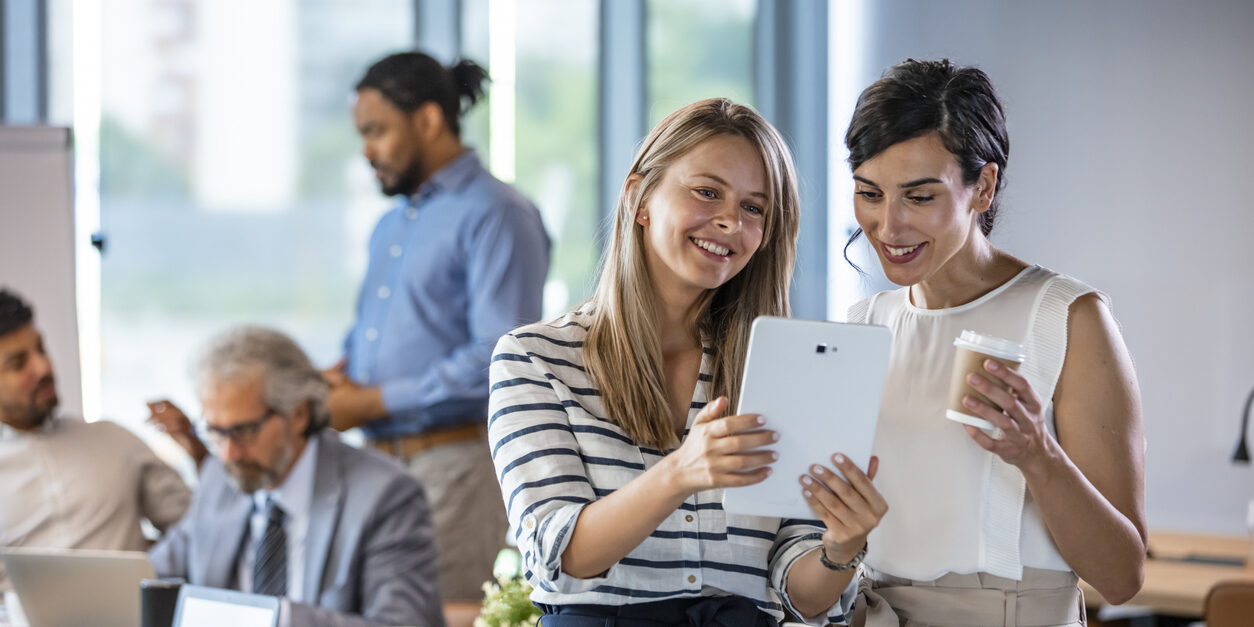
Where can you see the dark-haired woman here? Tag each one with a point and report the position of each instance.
(988, 526)
(460, 260)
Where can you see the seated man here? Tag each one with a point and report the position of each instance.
(65, 483)
(286, 509)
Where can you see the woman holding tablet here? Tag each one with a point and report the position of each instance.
(1055, 489)
(611, 461)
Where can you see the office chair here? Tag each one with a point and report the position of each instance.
(1230, 604)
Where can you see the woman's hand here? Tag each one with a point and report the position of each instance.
(1021, 438)
(719, 451)
(850, 508)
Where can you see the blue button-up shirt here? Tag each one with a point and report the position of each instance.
(452, 269)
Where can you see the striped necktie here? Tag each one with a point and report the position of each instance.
(270, 568)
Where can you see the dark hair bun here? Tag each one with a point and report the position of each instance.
(469, 79)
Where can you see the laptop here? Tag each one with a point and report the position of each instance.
(213, 607)
(63, 587)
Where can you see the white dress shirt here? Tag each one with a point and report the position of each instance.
(294, 498)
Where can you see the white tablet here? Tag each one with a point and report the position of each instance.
(200, 606)
(818, 384)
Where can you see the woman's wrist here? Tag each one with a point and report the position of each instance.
(842, 551)
(1046, 463)
(671, 481)
(838, 563)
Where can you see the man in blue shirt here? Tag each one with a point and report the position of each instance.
(461, 261)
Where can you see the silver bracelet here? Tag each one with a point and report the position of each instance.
(850, 565)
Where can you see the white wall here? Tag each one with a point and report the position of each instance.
(37, 243)
(1131, 168)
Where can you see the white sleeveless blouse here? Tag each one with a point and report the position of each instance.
(954, 507)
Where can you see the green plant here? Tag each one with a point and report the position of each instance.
(507, 603)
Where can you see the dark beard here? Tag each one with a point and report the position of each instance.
(406, 184)
(31, 416)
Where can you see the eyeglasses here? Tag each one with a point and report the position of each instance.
(241, 434)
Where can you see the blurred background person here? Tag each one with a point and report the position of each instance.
(65, 483)
(460, 261)
(284, 508)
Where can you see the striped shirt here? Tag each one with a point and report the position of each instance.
(555, 452)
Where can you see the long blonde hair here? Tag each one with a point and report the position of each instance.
(623, 348)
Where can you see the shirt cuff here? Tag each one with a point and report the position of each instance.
(840, 612)
(545, 540)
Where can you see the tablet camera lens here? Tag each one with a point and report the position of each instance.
(821, 348)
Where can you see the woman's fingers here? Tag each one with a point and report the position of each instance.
(835, 515)
(1001, 417)
(860, 482)
(747, 441)
(712, 411)
(743, 478)
(1001, 398)
(987, 443)
(841, 488)
(849, 506)
(1017, 382)
(744, 461)
(734, 425)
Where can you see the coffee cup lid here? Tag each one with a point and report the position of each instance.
(989, 345)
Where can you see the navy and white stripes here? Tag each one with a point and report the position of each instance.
(555, 452)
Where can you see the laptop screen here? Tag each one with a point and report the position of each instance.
(212, 607)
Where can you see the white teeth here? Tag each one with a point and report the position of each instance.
(898, 252)
(712, 247)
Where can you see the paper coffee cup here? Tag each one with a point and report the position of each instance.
(972, 349)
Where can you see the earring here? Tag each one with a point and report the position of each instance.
(645, 218)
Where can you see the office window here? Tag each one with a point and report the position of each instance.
(698, 49)
(538, 128)
(232, 189)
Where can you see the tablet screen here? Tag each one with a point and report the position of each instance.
(209, 613)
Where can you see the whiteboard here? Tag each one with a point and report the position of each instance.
(37, 242)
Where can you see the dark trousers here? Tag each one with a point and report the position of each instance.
(729, 611)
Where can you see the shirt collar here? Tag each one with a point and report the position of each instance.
(49, 425)
(453, 176)
(296, 493)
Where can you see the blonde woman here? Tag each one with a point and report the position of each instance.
(610, 458)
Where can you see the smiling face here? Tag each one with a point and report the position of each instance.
(28, 390)
(915, 210)
(705, 218)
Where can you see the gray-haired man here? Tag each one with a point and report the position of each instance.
(284, 508)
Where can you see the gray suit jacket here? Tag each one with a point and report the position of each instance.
(370, 550)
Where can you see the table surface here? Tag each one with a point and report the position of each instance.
(1176, 580)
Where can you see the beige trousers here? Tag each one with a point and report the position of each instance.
(468, 513)
(1043, 598)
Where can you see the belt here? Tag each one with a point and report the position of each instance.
(407, 445)
(726, 611)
